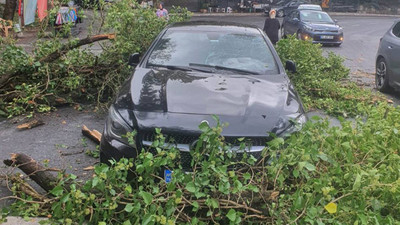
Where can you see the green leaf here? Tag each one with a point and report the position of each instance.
(190, 187)
(147, 197)
(357, 182)
(147, 219)
(231, 215)
(57, 191)
(128, 207)
(309, 166)
(102, 223)
(127, 222)
(204, 126)
(195, 206)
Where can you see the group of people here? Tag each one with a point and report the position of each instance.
(272, 26)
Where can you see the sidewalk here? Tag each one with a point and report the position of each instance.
(197, 14)
(13, 220)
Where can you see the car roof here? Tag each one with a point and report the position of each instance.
(310, 6)
(214, 26)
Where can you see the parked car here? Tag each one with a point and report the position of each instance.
(310, 6)
(388, 60)
(312, 25)
(194, 70)
(288, 7)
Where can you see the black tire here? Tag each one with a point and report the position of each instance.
(280, 13)
(381, 76)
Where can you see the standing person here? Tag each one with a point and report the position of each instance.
(272, 26)
(161, 12)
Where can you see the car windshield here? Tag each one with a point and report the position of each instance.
(315, 17)
(223, 51)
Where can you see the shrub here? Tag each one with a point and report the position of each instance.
(321, 81)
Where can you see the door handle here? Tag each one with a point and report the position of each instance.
(390, 47)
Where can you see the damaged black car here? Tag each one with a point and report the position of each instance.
(195, 70)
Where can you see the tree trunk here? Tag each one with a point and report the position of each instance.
(34, 170)
(9, 9)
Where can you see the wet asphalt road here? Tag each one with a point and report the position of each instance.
(60, 139)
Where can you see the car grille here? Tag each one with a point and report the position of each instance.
(327, 31)
(186, 158)
(189, 139)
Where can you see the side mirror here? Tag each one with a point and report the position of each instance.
(134, 59)
(335, 20)
(291, 66)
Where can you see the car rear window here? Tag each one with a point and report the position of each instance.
(246, 51)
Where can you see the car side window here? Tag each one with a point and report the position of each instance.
(396, 30)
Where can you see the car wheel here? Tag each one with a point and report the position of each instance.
(381, 76)
(280, 13)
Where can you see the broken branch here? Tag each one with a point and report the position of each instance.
(93, 135)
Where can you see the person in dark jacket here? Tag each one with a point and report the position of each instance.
(272, 26)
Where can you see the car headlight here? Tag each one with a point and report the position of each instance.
(116, 127)
(308, 28)
(285, 127)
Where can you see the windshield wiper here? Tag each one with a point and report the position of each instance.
(223, 68)
(171, 67)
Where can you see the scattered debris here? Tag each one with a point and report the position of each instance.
(89, 168)
(64, 122)
(71, 153)
(31, 124)
(93, 135)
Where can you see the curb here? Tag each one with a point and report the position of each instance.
(262, 14)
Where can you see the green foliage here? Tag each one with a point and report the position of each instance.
(79, 75)
(353, 167)
(321, 80)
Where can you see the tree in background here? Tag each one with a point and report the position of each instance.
(9, 9)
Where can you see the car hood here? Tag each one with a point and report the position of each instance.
(323, 26)
(179, 101)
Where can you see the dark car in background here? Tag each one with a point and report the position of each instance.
(312, 25)
(287, 7)
(388, 60)
(232, 71)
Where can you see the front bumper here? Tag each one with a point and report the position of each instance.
(323, 37)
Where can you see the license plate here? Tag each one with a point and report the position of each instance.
(167, 175)
(326, 37)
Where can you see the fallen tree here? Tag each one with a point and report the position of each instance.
(34, 170)
(329, 174)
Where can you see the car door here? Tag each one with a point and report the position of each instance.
(393, 53)
(294, 22)
(287, 24)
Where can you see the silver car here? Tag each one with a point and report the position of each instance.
(388, 60)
